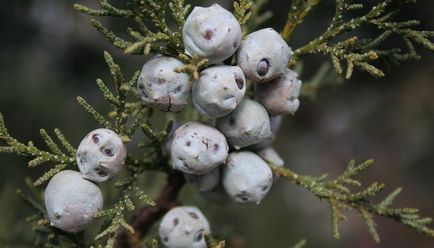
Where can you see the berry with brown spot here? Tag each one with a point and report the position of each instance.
(212, 33)
(184, 227)
(198, 148)
(246, 177)
(263, 55)
(161, 87)
(280, 96)
(219, 90)
(101, 155)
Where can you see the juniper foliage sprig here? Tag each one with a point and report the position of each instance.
(61, 155)
(242, 11)
(106, 10)
(339, 196)
(257, 15)
(249, 14)
(145, 38)
(362, 54)
(298, 11)
(115, 220)
(121, 107)
(157, 141)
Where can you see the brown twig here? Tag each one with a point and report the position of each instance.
(144, 218)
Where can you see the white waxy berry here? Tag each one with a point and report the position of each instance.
(198, 148)
(161, 87)
(275, 122)
(72, 201)
(101, 155)
(219, 90)
(213, 33)
(184, 227)
(247, 125)
(263, 55)
(246, 177)
(205, 182)
(280, 96)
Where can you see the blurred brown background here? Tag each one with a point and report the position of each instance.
(49, 54)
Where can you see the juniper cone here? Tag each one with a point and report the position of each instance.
(161, 87)
(280, 96)
(184, 227)
(198, 148)
(246, 177)
(219, 90)
(72, 201)
(101, 155)
(263, 55)
(213, 33)
(248, 125)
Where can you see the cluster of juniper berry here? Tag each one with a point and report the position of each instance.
(228, 158)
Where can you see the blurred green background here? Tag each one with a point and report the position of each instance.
(49, 54)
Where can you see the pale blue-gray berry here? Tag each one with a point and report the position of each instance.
(161, 87)
(101, 155)
(280, 96)
(263, 55)
(247, 125)
(219, 90)
(198, 148)
(246, 177)
(72, 201)
(184, 227)
(212, 33)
